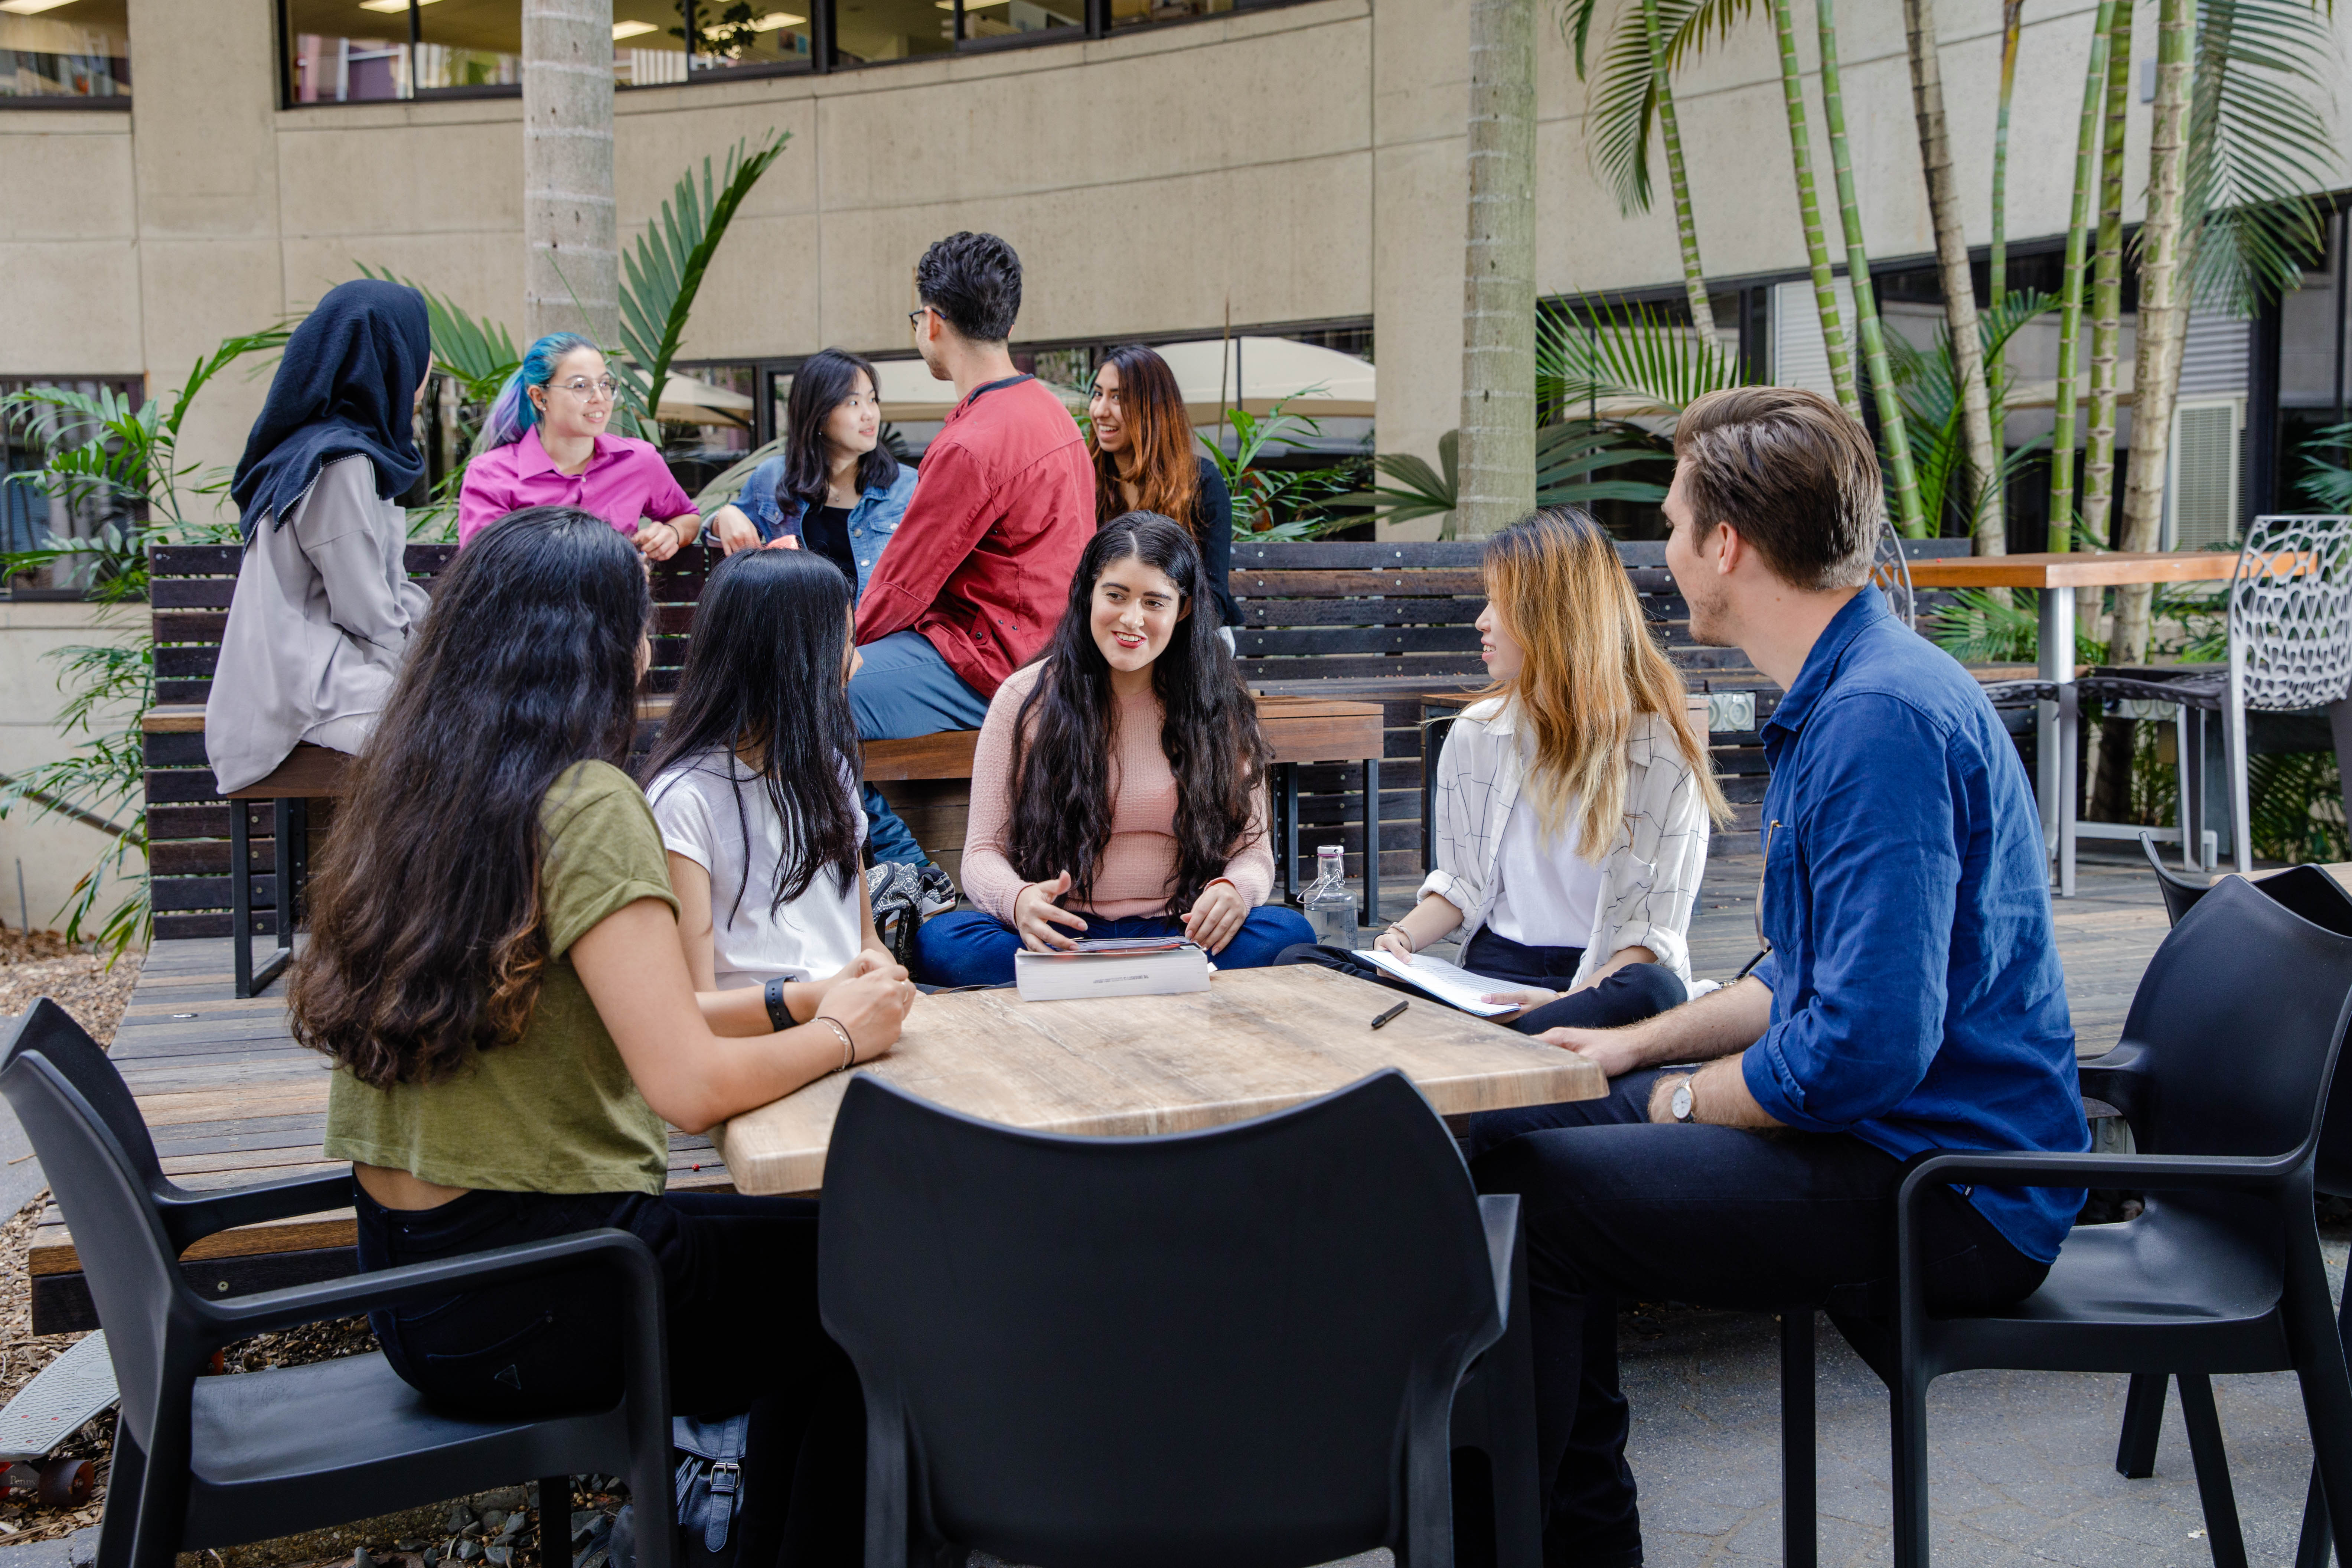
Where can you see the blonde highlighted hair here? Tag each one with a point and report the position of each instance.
(1590, 667)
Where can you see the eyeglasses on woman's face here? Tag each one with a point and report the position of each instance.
(601, 390)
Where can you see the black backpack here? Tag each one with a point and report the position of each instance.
(710, 1493)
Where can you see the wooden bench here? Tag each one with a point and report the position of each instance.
(1394, 623)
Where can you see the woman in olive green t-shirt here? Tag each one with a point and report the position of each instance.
(494, 965)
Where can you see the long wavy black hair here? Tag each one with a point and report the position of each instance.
(1066, 729)
(825, 381)
(763, 698)
(428, 937)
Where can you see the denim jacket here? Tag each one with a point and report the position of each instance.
(872, 521)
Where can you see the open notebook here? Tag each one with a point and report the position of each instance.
(1448, 983)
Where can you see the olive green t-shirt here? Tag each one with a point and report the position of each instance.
(555, 1111)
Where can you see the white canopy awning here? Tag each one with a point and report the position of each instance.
(1256, 374)
(685, 401)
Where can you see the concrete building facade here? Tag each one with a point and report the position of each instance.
(1283, 164)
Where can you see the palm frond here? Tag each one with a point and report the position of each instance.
(2329, 485)
(1621, 352)
(664, 272)
(1568, 456)
(476, 352)
(2260, 150)
(1622, 105)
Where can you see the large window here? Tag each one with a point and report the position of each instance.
(57, 49)
(359, 51)
(30, 518)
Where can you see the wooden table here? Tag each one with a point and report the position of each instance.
(1257, 1040)
(2056, 577)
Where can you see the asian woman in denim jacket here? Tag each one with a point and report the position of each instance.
(834, 489)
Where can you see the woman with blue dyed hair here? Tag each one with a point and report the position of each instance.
(544, 443)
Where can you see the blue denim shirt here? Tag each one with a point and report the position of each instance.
(872, 521)
(1917, 1000)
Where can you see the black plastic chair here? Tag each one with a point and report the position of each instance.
(1243, 1346)
(2320, 898)
(2180, 892)
(213, 1461)
(2221, 1272)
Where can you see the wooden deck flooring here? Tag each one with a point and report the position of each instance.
(231, 1098)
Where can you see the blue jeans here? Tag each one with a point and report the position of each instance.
(904, 690)
(965, 947)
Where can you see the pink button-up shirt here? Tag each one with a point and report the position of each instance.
(626, 482)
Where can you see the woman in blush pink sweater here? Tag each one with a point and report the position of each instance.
(1120, 784)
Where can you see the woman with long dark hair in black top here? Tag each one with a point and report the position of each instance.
(1146, 459)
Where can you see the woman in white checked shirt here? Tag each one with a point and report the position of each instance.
(1573, 799)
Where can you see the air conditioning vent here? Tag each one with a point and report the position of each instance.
(2200, 496)
(1800, 357)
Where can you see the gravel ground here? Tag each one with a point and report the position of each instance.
(94, 988)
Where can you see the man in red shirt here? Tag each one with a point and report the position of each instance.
(977, 572)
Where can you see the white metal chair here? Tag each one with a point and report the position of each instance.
(2290, 631)
(1891, 570)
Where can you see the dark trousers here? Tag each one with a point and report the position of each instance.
(972, 947)
(741, 1293)
(1618, 1207)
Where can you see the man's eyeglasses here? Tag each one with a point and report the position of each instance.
(915, 316)
(587, 391)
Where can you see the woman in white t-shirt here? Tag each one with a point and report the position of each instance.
(754, 784)
(1573, 799)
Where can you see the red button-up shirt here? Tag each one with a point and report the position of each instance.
(981, 564)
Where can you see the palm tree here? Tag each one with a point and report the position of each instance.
(2012, 18)
(1633, 85)
(1633, 89)
(572, 277)
(1900, 474)
(2237, 151)
(1702, 309)
(2106, 285)
(2086, 146)
(1959, 287)
(2163, 317)
(1499, 327)
(1817, 250)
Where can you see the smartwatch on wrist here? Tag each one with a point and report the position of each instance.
(779, 1017)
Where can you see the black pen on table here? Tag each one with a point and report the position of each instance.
(1392, 1013)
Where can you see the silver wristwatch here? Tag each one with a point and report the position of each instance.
(1680, 1105)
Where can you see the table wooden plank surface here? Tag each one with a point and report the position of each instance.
(1257, 1041)
(2106, 569)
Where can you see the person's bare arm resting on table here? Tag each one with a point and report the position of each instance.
(673, 1042)
(725, 1010)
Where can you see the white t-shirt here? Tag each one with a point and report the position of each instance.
(754, 941)
(1547, 893)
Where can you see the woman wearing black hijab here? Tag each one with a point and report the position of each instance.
(323, 604)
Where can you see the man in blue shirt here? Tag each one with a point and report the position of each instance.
(1911, 998)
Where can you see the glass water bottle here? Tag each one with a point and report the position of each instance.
(1330, 907)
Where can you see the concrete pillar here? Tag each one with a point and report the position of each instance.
(571, 263)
